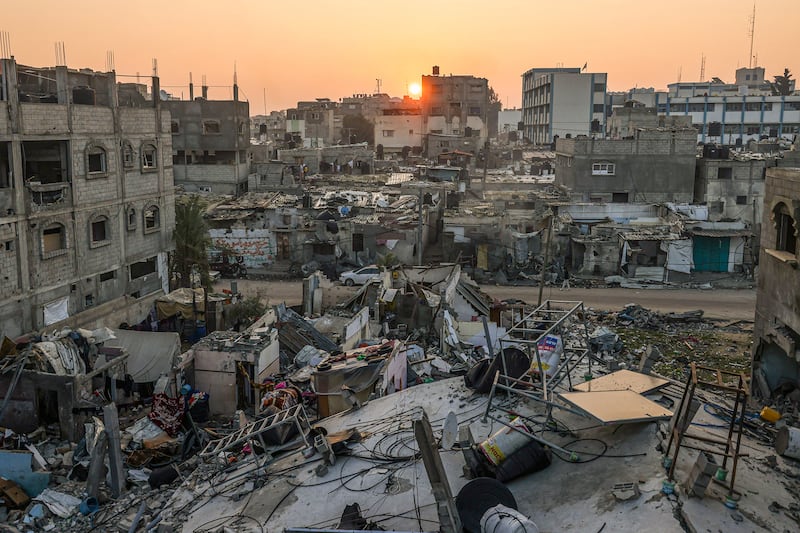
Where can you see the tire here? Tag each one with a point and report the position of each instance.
(349, 282)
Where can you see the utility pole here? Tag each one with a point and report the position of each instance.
(546, 259)
(419, 230)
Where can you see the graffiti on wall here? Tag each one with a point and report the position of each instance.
(256, 246)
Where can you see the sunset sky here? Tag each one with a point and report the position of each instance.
(300, 50)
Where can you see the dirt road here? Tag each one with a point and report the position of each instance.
(719, 303)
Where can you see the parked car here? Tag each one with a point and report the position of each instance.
(360, 276)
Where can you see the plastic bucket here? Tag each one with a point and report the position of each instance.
(505, 442)
(89, 505)
(787, 442)
(770, 415)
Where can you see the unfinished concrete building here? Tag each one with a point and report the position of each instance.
(776, 371)
(86, 198)
(456, 106)
(210, 142)
(656, 165)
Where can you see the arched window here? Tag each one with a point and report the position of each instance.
(152, 219)
(131, 218)
(785, 236)
(149, 157)
(128, 155)
(96, 161)
(54, 240)
(99, 230)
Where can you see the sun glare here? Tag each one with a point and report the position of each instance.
(414, 89)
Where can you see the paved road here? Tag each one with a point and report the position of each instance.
(719, 303)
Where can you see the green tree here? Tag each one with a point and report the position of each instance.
(191, 241)
(782, 86)
(357, 129)
(247, 311)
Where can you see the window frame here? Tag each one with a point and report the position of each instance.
(609, 170)
(64, 243)
(215, 123)
(128, 155)
(156, 219)
(93, 149)
(96, 219)
(143, 153)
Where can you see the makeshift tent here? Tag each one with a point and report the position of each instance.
(152, 353)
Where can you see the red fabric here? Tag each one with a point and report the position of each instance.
(167, 413)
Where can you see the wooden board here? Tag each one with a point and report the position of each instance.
(616, 407)
(622, 380)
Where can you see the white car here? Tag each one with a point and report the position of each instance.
(360, 276)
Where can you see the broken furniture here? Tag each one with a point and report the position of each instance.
(623, 380)
(616, 406)
(270, 432)
(719, 380)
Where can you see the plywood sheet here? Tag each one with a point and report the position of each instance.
(616, 407)
(623, 380)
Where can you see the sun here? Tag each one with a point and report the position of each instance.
(414, 89)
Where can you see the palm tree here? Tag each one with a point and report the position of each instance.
(191, 241)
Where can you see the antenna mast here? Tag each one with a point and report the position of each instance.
(702, 67)
(752, 34)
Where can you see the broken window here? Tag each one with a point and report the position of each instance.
(143, 268)
(96, 160)
(725, 173)
(46, 162)
(785, 238)
(88, 300)
(54, 239)
(108, 276)
(131, 219)
(175, 127)
(99, 229)
(152, 219)
(128, 157)
(210, 127)
(242, 128)
(619, 197)
(149, 161)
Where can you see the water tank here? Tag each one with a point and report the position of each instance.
(83, 96)
(436, 70)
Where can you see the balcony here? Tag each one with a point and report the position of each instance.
(44, 196)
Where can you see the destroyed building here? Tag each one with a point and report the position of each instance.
(456, 108)
(210, 143)
(776, 371)
(654, 166)
(86, 198)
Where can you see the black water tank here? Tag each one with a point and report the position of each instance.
(83, 96)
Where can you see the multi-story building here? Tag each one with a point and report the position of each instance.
(733, 114)
(563, 102)
(210, 140)
(314, 123)
(456, 106)
(87, 205)
(776, 350)
(655, 165)
(398, 127)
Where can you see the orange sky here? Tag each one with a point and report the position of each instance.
(303, 49)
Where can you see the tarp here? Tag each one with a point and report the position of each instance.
(56, 311)
(679, 256)
(180, 301)
(152, 353)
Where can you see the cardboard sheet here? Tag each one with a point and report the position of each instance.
(616, 407)
(623, 380)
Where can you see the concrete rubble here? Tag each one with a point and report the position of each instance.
(311, 409)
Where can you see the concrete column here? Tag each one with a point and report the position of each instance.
(191, 91)
(204, 90)
(62, 85)
(10, 73)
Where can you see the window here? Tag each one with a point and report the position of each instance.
(700, 107)
(724, 173)
(100, 230)
(476, 88)
(128, 157)
(88, 300)
(388, 133)
(785, 239)
(444, 144)
(456, 131)
(241, 128)
(733, 106)
(603, 169)
(741, 200)
(474, 111)
(96, 160)
(599, 87)
(598, 108)
(437, 110)
(143, 268)
(677, 107)
(210, 127)
(175, 127)
(54, 240)
(436, 88)
(108, 276)
(8, 246)
(152, 219)
(752, 106)
(131, 220)
(358, 242)
(619, 197)
(149, 161)
(752, 129)
(436, 132)
(411, 132)
(747, 77)
(314, 116)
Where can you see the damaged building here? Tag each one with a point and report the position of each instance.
(86, 198)
(776, 366)
(210, 143)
